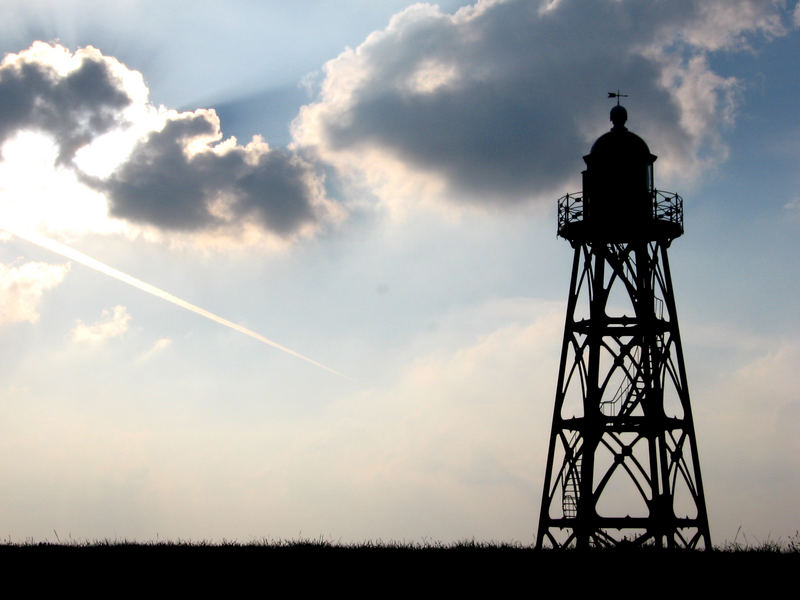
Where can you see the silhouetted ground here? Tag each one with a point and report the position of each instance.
(380, 570)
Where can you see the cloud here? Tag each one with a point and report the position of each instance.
(747, 425)
(74, 97)
(429, 453)
(491, 105)
(22, 288)
(157, 348)
(158, 170)
(463, 428)
(793, 207)
(184, 177)
(496, 103)
(112, 324)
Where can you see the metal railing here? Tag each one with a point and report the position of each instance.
(570, 209)
(667, 207)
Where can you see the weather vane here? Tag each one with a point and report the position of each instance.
(617, 95)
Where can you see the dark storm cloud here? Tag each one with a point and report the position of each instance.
(501, 99)
(166, 184)
(73, 108)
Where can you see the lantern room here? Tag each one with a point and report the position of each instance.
(619, 202)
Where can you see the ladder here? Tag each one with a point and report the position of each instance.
(571, 481)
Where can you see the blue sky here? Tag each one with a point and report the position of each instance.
(395, 222)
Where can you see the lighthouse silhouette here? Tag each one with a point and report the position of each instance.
(622, 462)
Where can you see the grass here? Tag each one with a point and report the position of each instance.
(790, 545)
(302, 544)
(740, 544)
(380, 568)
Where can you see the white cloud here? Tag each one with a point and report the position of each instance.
(462, 430)
(728, 24)
(160, 345)
(496, 103)
(22, 288)
(747, 424)
(36, 193)
(113, 323)
(793, 207)
(451, 448)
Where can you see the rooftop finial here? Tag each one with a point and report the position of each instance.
(618, 114)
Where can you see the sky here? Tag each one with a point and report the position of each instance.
(289, 270)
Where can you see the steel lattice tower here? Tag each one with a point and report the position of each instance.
(622, 463)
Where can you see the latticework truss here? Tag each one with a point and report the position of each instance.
(622, 463)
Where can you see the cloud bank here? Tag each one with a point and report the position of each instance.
(490, 106)
(496, 103)
(737, 418)
(158, 169)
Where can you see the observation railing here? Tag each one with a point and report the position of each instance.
(667, 208)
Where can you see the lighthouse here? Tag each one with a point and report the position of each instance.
(622, 461)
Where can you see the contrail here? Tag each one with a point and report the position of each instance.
(90, 262)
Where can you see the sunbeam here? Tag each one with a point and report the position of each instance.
(87, 261)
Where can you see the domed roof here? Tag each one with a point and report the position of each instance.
(619, 143)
